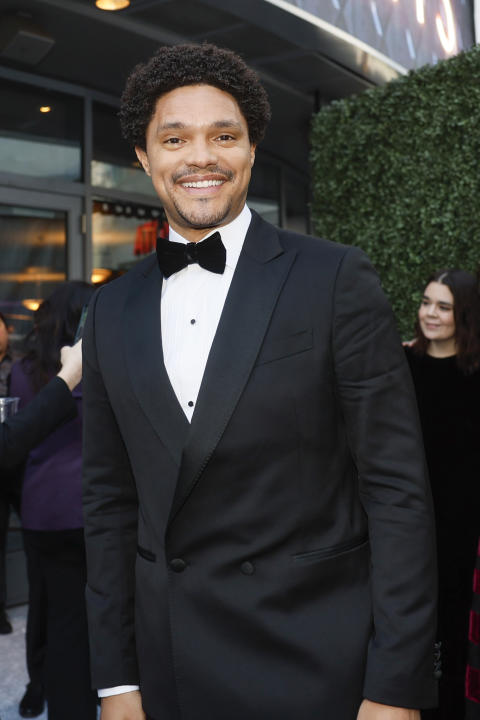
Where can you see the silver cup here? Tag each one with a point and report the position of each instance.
(8, 407)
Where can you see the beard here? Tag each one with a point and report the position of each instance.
(198, 215)
(204, 217)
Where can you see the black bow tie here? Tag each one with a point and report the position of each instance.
(210, 254)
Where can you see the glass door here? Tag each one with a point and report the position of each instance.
(40, 247)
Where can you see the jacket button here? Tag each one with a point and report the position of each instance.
(178, 565)
(247, 568)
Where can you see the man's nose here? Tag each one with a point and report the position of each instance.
(202, 153)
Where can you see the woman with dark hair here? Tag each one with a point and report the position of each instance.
(445, 364)
(51, 513)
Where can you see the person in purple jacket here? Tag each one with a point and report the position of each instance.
(51, 514)
(51, 407)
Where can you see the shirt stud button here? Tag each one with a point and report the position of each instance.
(192, 321)
(191, 403)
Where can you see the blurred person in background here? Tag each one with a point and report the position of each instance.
(51, 406)
(7, 356)
(51, 513)
(9, 493)
(445, 364)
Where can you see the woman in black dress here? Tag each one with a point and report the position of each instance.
(445, 365)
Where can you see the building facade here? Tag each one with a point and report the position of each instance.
(74, 202)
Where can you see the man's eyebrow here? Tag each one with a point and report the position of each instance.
(175, 125)
(227, 124)
(218, 124)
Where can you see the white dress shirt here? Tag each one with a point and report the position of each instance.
(192, 302)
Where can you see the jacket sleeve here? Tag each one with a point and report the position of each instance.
(51, 407)
(110, 514)
(380, 414)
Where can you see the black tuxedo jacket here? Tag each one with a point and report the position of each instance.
(275, 558)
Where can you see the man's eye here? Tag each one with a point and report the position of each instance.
(173, 141)
(225, 138)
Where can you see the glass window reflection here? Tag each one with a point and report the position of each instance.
(40, 133)
(123, 233)
(114, 163)
(33, 252)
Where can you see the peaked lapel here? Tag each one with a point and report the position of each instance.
(261, 271)
(144, 356)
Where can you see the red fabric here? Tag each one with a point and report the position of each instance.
(474, 628)
(476, 581)
(472, 684)
(163, 232)
(145, 237)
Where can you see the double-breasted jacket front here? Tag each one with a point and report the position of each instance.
(275, 557)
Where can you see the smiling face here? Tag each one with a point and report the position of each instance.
(199, 157)
(436, 317)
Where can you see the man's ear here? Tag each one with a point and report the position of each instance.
(143, 159)
(252, 154)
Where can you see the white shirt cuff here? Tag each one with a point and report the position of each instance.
(118, 690)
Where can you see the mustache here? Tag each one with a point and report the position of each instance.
(211, 170)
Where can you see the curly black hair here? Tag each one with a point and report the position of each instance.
(178, 65)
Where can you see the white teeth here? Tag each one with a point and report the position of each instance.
(202, 183)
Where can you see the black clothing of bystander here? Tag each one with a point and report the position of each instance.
(5, 366)
(9, 495)
(60, 557)
(449, 405)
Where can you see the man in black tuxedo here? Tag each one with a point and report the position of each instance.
(258, 524)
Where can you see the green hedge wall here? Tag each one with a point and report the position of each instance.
(396, 171)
